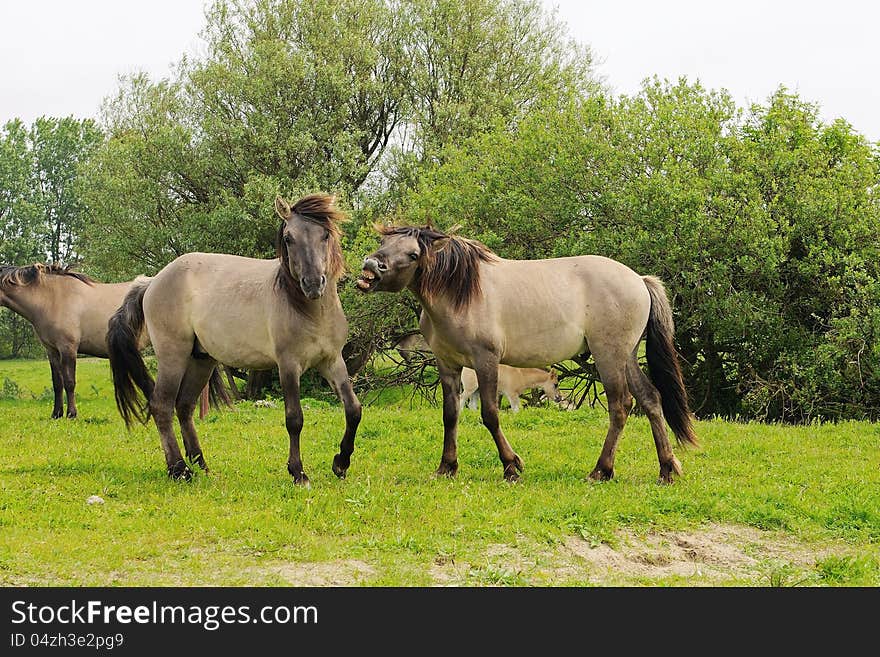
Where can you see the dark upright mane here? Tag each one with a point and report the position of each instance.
(452, 269)
(30, 274)
(318, 209)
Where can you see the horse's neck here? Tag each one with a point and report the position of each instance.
(24, 300)
(36, 301)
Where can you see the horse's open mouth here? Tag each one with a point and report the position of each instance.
(367, 280)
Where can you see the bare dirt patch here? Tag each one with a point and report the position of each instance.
(350, 572)
(709, 556)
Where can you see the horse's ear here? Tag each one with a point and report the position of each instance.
(282, 208)
(439, 244)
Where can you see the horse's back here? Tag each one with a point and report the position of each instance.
(546, 311)
(210, 280)
(96, 306)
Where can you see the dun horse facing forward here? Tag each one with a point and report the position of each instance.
(69, 312)
(205, 308)
(479, 310)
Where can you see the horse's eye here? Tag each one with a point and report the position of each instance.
(326, 235)
(413, 256)
(287, 239)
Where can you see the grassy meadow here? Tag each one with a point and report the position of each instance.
(758, 505)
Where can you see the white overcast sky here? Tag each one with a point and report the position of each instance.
(62, 57)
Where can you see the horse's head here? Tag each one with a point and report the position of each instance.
(7, 277)
(308, 242)
(393, 266)
(551, 387)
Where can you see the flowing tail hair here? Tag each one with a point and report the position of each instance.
(663, 365)
(127, 367)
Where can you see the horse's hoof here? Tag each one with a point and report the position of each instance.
(298, 474)
(57, 416)
(199, 460)
(668, 470)
(71, 416)
(601, 474)
(518, 463)
(180, 471)
(340, 465)
(447, 469)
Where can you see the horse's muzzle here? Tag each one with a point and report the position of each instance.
(313, 288)
(370, 275)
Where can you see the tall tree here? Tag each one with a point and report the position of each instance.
(41, 209)
(58, 148)
(293, 96)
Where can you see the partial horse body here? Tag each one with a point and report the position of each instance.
(69, 312)
(205, 308)
(512, 382)
(480, 310)
(411, 345)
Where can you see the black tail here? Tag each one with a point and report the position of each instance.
(663, 364)
(217, 393)
(126, 362)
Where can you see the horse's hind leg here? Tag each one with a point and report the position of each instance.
(172, 367)
(649, 399)
(57, 385)
(487, 377)
(612, 371)
(67, 357)
(198, 372)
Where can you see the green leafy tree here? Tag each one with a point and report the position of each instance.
(41, 209)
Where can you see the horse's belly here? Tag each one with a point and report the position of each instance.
(542, 349)
(236, 346)
(238, 355)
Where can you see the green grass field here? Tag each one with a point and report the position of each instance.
(758, 505)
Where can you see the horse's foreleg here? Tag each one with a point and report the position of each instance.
(293, 420)
(487, 378)
(513, 398)
(337, 376)
(68, 378)
(450, 382)
(198, 372)
(57, 384)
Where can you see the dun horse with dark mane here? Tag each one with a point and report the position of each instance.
(204, 308)
(479, 310)
(69, 312)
